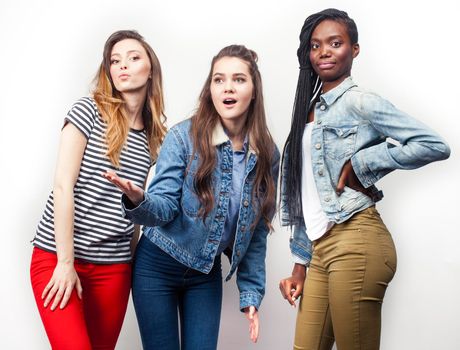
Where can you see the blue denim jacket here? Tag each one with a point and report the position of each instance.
(170, 209)
(351, 123)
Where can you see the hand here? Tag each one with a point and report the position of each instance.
(349, 178)
(134, 193)
(291, 288)
(253, 317)
(61, 285)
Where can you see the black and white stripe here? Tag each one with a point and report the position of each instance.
(101, 234)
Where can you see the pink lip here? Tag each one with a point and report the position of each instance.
(326, 65)
(229, 106)
(123, 76)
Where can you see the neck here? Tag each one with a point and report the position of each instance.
(329, 85)
(134, 103)
(235, 131)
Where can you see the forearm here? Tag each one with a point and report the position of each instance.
(154, 210)
(63, 224)
(299, 270)
(251, 270)
(416, 145)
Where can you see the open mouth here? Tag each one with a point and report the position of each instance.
(229, 101)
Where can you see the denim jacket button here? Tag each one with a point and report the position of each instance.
(243, 228)
(322, 107)
(318, 122)
(337, 217)
(246, 203)
(237, 253)
(320, 172)
(327, 199)
(318, 146)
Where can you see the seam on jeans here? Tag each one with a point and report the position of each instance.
(322, 332)
(361, 294)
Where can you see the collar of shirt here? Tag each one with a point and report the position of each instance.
(331, 96)
(219, 137)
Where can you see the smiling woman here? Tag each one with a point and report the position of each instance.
(83, 244)
(333, 157)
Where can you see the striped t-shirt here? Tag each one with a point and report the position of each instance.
(101, 234)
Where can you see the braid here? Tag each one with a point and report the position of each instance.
(308, 86)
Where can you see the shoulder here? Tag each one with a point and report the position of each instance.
(83, 115)
(364, 100)
(85, 106)
(180, 133)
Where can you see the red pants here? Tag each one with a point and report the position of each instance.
(93, 322)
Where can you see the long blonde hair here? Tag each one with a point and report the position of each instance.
(112, 106)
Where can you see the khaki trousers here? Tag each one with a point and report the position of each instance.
(345, 285)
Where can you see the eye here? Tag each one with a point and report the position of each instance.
(218, 80)
(114, 61)
(336, 44)
(240, 80)
(314, 46)
(134, 58)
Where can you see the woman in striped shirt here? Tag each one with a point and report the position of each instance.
(80, 269)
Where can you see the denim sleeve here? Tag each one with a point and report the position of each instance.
(250, 276)
(418, 144)
(162, 199)
(300, 245)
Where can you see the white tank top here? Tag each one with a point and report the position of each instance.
(316, 221)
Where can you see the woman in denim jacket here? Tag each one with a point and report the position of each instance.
(214, 191)
(333, 156)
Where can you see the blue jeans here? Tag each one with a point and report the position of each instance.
(161, 287)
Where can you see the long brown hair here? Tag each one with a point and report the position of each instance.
(203, 124)
(112, 106)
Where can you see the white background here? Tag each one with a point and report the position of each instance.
(49, 53)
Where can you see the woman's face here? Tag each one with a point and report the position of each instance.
(130, 66)
(332, 53)
(232, 88)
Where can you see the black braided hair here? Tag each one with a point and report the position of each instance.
(308, 86)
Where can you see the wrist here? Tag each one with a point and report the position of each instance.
(299, 270)
(138, 200)
(65, 261)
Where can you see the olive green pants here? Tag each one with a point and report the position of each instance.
(345, 285)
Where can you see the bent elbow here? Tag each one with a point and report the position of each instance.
(446, 152)
(443, 151)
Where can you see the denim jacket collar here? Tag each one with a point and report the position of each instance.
(219, 137)
(331, 96)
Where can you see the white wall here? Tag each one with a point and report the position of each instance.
(410, 53)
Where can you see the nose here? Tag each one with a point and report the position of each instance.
(229, 85)
(324, 51)
(123, 64)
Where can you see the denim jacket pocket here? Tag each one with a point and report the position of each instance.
(340, 142)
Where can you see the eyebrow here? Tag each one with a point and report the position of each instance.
(234, 74)
(334, 36)
(130, 51)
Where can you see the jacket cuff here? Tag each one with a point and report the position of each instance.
(298, 260)
(250, 299)
(363, 173)
(129, 210)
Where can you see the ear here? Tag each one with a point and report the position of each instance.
(355, 49)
